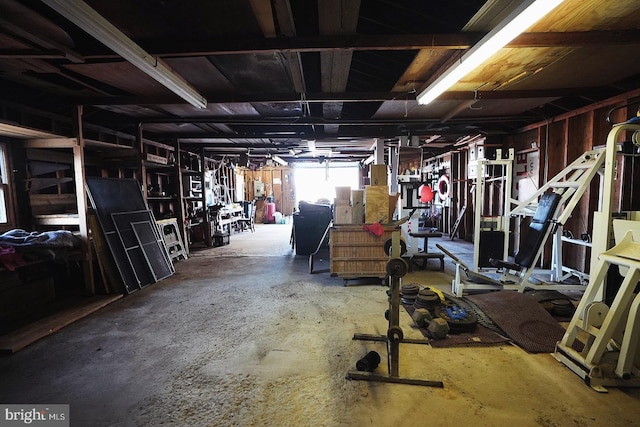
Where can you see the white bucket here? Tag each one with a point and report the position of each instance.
(278, 217)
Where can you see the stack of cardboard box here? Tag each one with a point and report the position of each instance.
(373, 204)
(342, 210)
(348, 207)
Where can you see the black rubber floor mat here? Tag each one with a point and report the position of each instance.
(522, 318)
(483, 319)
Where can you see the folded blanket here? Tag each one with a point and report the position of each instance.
(49, 239)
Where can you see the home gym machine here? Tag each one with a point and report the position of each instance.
(550, 207)
(601, 344)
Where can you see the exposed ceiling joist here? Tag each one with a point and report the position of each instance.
(276, 98)
(358, 42)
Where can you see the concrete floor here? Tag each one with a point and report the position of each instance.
(243, 335)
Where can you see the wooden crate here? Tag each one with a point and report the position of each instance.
(356, 253)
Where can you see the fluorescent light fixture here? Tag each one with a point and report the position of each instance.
(93, 23)
(369, 159)
(431, 138)
(524, 16)
(280, 160)
(312, 145)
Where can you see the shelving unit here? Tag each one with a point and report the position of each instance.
(193, 198)
(160, 182)
(182, 183)
(57, 168)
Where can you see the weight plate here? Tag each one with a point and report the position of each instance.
(397, 267)
(410, 290)
(387, 247)
(459, 318)
(483, 319)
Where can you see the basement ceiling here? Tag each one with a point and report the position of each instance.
(277, 74)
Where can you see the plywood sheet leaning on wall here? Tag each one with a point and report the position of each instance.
(376, 203)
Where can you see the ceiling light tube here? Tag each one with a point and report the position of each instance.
(92, 22)
(280, 160)
(312, 145)
(524, 16)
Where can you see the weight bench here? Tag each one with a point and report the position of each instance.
(516, 274)
(532, 245)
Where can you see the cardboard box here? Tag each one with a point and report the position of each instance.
(357, 206)
(343, 196)
(342, 214)
(393, 204)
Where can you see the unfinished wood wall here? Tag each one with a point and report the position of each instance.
(559, 141)
(278, 183)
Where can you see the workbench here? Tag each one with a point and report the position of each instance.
(226, 218)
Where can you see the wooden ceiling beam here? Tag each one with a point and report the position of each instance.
(336, 18)
(354, 42)
(29, 36)
(279, 98)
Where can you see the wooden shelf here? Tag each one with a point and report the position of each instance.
(57, 219)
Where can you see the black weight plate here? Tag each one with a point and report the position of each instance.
(397, 267)
(410, 289)
(483, 319)
(395, 334)
(465, 323)
(387, 247)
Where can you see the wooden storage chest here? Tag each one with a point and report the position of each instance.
(356, 253)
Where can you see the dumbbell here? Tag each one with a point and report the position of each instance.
(438, 328)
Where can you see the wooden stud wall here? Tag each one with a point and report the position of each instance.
(283, 192)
